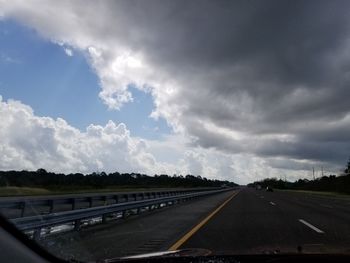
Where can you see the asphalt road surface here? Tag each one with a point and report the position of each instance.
(236, 222)
(267, 222)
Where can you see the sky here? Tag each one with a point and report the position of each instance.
(236, 90)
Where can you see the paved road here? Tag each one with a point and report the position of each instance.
(248, 222)
(263, 222)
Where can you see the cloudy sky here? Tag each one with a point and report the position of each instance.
(237, 90)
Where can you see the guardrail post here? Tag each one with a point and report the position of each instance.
(124, 214)
(135, 197)
(90, 201)
(37, 234)
(51, 206)
(73, 203)
(116, 199)
(77, 224)
(23, 208)
(104, 198)
(104, 218)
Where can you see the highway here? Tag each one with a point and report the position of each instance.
(265, 222)
(243, 221)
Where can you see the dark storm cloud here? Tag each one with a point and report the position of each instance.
(290, 41)
(258, 67)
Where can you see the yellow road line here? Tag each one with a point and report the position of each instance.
(202, 223)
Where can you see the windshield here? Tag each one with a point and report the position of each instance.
(212, 127)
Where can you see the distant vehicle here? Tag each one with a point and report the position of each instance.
(269, 189)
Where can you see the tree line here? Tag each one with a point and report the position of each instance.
(49, 180)
(331, 183)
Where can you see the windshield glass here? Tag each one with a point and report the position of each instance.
(133, 127)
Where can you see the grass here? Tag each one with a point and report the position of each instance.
(21, 191)
(15, 191)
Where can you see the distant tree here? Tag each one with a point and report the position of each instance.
(41, 171)
(49, 180)
(347, 169)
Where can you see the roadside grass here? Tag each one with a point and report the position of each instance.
(321, 193)
(16, 191)
(22, 191)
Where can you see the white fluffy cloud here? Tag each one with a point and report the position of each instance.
(30, 142)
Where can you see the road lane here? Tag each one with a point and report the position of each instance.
(200, 224)
(314, 199)
(249, 223)
(333, 222)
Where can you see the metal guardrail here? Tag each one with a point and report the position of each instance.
(38, 222)
(74, 200)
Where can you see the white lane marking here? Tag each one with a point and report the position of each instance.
(272, 203)
(311, 226)
(328, 206)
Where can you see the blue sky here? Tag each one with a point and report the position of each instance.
(40, 74)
